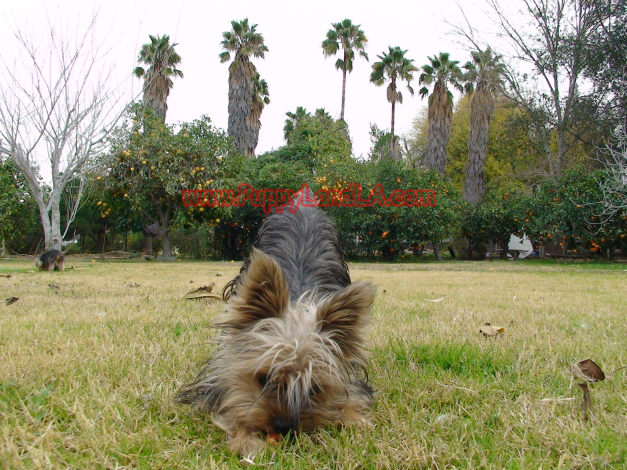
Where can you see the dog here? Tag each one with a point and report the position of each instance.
(51, 260)
(291, 356)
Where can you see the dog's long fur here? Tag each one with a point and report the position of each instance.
(51, 260)
(291, 355)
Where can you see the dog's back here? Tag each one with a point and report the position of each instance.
(51, 260)
(306, 246)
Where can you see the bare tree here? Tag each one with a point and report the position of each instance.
(53, 102)
(553, 43)
(614, 186)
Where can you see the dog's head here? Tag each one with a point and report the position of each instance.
(290, 365)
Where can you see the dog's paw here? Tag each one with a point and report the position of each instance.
(353, 417)
(245, 444)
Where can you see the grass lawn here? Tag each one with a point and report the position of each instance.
(89, 367)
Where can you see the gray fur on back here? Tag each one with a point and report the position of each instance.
(306, 246)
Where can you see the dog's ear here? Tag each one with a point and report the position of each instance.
(344, 316)
(262, 293)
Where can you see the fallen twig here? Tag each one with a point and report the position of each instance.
(459, 388)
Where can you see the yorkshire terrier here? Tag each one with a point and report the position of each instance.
(51, 260)
(291, 356)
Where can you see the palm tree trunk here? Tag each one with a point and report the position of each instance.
(440, 117)
(393, 154)
(481, 112)
(241, 73)
(156, 93)
(392, 128)
(343, 91)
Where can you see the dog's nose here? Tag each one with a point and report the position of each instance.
(283, 426)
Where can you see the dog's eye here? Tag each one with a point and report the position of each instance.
(262, 380)
(314, 390)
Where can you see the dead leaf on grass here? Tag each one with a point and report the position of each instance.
(202, 292)
(11, 300)
(491, 331)
(8, 276)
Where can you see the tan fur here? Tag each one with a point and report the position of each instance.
(285, 365)
(51, 260)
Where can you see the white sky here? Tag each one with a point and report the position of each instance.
(295, 68)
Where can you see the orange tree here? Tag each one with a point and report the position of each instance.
(570, 212)
(389, 229)
(495, 219)
(236, 231)
(150, 163)
(318, 154)
(20, 228)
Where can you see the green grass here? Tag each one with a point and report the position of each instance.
(89, 371)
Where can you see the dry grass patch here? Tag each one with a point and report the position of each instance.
(90, 368)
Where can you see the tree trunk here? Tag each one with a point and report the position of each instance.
(388, 254)
(241, 73)
(343, 88)
(150, 232)
(165, 239)
(55, 223)
(393, 149)
(481, 112)
(392, 127)
(436, 251)
(156, 93)
(104, 240)
(50, 222)
(164, 229)
(505, 250)
(440, 115)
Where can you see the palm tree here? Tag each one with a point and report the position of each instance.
(485, 72)
(292, 122)
(352, 39)
(393, 66)
(261, 97)
(244, 41)
(161, 58)
(441, 72)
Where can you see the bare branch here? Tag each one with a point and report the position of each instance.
(552, 42)
(614, 186)
(55, 101)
